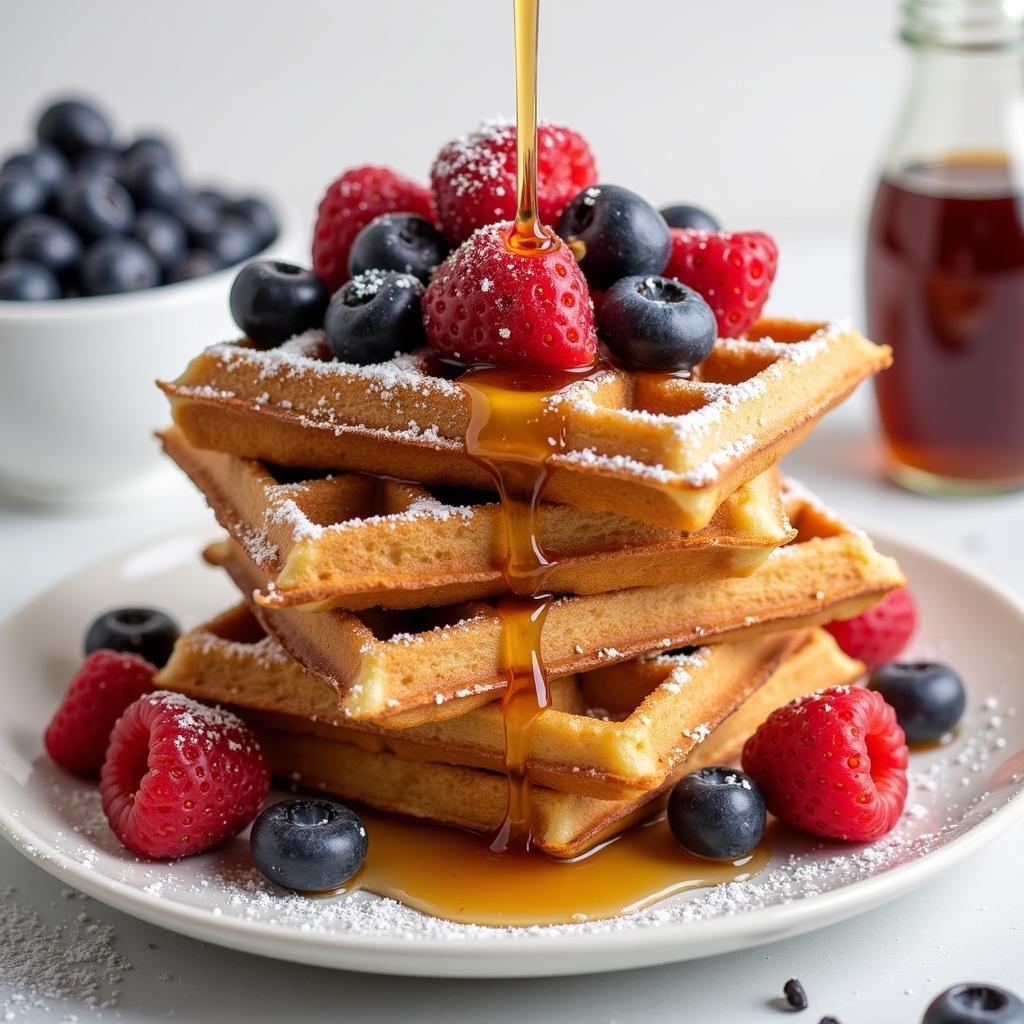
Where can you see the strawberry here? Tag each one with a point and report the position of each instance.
(180, 777)
(350, 203)
(879, 634)
(732, 271)
(832, 764)
(474, 176)
(103, 687)
(486, 304)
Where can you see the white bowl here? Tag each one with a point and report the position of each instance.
(78, 402)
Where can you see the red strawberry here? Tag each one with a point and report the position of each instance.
(474, 176)
(486, 304)
(733, 272)
(350, 203)
(879, 634)
(180, 777)
(833, 764)
(103, 687)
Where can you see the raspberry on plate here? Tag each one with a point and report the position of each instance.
(103, 687)
(833, 764)
(733, 271)
(474, 176)
(879, 634)
(487, 304)
(180, 777)
(351, 202)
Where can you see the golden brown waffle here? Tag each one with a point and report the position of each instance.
(612, 734)
(354, 541)
(406, 668)
(664, 447)
(564, 824)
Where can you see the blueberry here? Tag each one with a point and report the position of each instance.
(143, 631)
(162, 235)
(46, 240)
(928, 698)
(106, 162)
(375, 315)
(615, 234)
(796, 995)
(154, 183)
(152, 147)
(231, 239)
(72, 126)
(46, 164)
(273, 301)
(195, 263)
(96, 205)
(260, 216)
(398, 241)
(312, 845)
(684, 216)
(717, 813)
(656, 323)
(115, 264)
(975, 1003)
(199, 213)
(24, 281)
(21, 195)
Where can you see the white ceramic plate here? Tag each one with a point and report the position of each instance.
(963, 795)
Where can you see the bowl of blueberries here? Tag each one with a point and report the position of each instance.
(114, 268)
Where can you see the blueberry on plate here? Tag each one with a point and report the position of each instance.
(96, 205)
(195, 263)
(44, 163)
(310, 845)
(152, 147)
(398, 241)
(681, 215)
(656, 323)
(230, 239)
(46, 240)
(928, 698)
(273, 301)
(375, 315)
(153, 182)
(21, 195)
(73, 125)
(717, 813)
(25, 281)
(615, 234)
(143, 631)
(114, 265)
(975, 1003)
(162, 235)
(260, 216)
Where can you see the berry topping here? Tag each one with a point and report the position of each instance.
(103, 687)
(398, 241)
(681, 215)
(45, 240)
(734, 272)
(44, 163)
(975, 1003)
(374, 316)
(349, 205)
(654, 323)
(114, 265)
(796, 996)
(487, 304)
(180, 777)
(928, 698)
(614, 234)
(95, 205)
(21, 195)
(162, 235)
(73, 126)
(474, 176)
(25, 281)
(717, 813)
(143, 631)
(833, 764)
(879, 634)
(273, 301)
(310, 845)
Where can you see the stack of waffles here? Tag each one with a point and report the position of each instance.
(368, 651)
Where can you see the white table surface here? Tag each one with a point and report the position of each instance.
(878, 968)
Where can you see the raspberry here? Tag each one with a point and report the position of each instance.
(350, 203)
(474, 176)
(733, 272)
(487, 304)
(180, 777)
(879, 634)
(833, 764)
(103, 687)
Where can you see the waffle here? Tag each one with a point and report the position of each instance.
(354, 541)
(564, 824)
(405, 668)
(667, 448)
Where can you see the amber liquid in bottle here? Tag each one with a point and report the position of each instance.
(945, 288)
